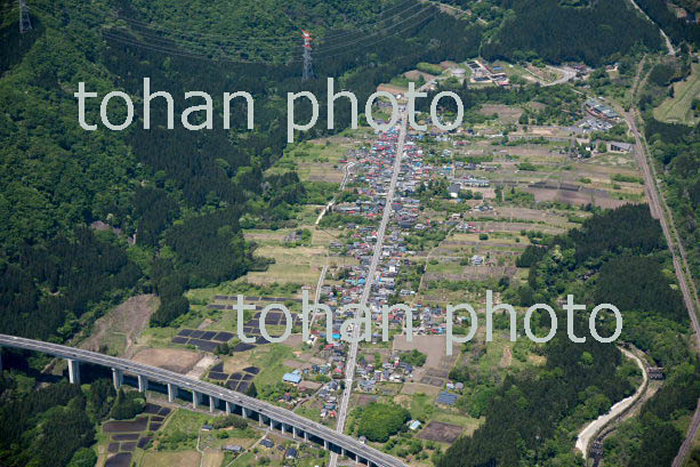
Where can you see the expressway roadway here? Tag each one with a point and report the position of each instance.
(369, 281)
(275, 416)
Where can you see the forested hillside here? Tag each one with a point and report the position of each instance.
(556, 32)
(533, 418)
(58, 180)
(594, 32)
(677, 29)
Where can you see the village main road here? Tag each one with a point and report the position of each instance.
(369, 281)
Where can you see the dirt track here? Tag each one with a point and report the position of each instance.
(591, 430)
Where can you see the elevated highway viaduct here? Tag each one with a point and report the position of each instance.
(217, 397)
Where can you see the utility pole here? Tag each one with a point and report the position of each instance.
(25, 23)
(308, 60)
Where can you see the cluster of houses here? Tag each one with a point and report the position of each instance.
(369, 375)
(601, 111)
(370, 181)
(482, 73)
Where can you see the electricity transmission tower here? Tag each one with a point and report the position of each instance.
(308, 60)
(25, 23)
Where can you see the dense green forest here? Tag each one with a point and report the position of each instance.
(53, 425)
(559, 31)
(171, 199)
(677, 29)
(532, 418)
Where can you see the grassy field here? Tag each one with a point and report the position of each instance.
(317, 160)
(168, 459)
(182, 430)
(677, 109)
(271, 360)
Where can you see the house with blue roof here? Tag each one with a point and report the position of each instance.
(293, 377)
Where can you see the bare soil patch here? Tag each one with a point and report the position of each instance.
(432, 346)
(117, 331)
(419, 388)
(177, 360)
(442, 432)
(506, 113)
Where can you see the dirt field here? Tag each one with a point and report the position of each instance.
(120, 328)
(292, 265)
(419, 388)
(437, 366)
(177, 360)
(201, 367)
(442, 432)
(212, 458)
(169, 459)
(432, 346)
(576, 197)
(506, 113)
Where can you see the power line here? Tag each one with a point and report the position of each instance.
(25, 22)
(291, 36)
(308, 61)
(376, 33)
(178, 52)
(168, 46)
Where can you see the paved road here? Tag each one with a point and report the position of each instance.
(317, 295)
(667, 41)
(370, 278)
(267, 410)
(568, 74)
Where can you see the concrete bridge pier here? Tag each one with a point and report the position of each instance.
(212, 403)
(172, 390)
(117, 378)
(245, 413)
(229, 409)
(195, 399)
(143, 383)
(294, 432)
(73, 371)
(272, 424)
(325, 444)
(306, 437)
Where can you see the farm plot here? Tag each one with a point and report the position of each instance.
(125, 437)
(318, 160)
(441, 432)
